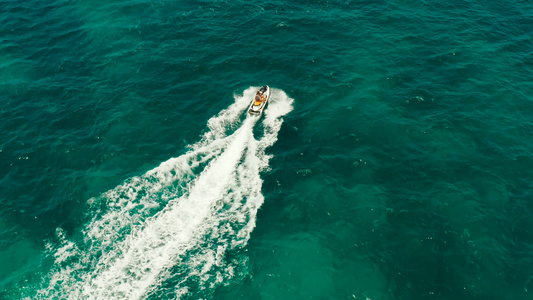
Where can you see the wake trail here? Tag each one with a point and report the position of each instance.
(169, 231)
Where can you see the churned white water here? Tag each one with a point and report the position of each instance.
(172, 227)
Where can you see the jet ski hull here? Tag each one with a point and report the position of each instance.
(257, 110)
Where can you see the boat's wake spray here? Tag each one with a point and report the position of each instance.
(175, 230)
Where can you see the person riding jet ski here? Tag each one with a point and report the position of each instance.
(259, 102)
(259, 97)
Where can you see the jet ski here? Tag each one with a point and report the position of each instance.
(260, 101)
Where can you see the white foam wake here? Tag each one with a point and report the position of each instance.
(168, 231)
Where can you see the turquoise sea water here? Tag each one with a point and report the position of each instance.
(393, 161)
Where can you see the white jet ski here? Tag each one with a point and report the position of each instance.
(260, 101)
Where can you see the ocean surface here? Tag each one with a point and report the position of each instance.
(394, 159)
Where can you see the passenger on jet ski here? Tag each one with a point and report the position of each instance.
(259, 98)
